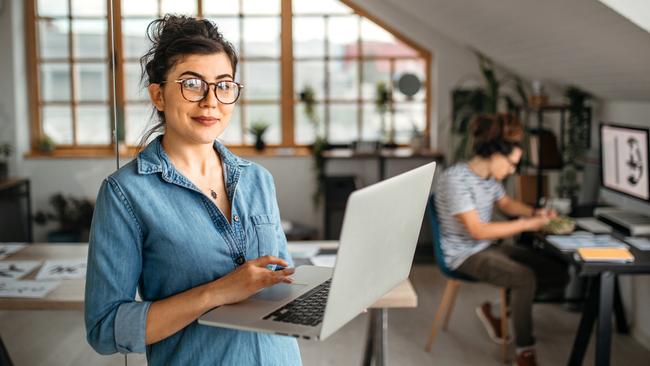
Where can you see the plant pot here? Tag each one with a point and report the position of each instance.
(4, 170)
(259, 144)
(61, 236)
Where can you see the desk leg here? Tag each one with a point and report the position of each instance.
(619, 310)
(589, 311)
(377, 342)
(5, 360)
(604, 330)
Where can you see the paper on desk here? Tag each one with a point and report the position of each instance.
(324, 260)
(17, 269)
(29, 289)
(584, 240)
(639, 243)
(9, 248)
(302, 250)
(62, 269)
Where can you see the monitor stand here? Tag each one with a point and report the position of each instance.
(631, 223)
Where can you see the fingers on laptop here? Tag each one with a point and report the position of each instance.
(269, 259)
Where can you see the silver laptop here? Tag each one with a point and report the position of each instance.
(380, 231)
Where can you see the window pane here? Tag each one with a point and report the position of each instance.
(310, 73)
(308, 37)
(220, 7)
(343, 33)
(93, 125)
(89, 8)
(229, 27)
(134, 90)
(262, 37)
(343, 123)
(319, 7)
(344, 80)
(268, 114)
(55, 82)
(137, 121)
(52, 8)
(261, 7)
(89, 38)
(409, 117)
(233, 134)
(415, 67)
(185, 7)
(57, 123)
(304, 129)
(134, 37)
(373, 73)
(376, 41)
(261, 80)
(53, 38)
(140, 7)
(92, 82)
(375, 125)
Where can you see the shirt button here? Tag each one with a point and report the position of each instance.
(236, 218)
(240, 260)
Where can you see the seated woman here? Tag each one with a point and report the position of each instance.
(465, 197)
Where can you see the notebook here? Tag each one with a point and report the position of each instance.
(619, 255)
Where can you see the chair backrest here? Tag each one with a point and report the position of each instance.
(437, 243)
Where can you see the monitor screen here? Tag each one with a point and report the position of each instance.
(624, 160)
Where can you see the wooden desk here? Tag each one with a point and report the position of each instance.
(69, 295)
(602, 298)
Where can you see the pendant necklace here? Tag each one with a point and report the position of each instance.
(213, 194)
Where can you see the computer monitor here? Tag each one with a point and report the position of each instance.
(624, 164)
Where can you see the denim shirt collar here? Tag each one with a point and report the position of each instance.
(154, 159)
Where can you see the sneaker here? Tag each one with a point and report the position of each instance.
(492, 324)
(525, 358)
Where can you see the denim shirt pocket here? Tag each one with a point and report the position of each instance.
(264, 227)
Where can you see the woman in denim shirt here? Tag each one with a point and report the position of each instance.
(187, 223)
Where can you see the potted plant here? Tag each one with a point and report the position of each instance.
(73, 216)
(5, 152)
(45, 143)
(382, 103)
(308, 97)
(258, 128)
(577, 141)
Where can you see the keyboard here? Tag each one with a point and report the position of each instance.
(307, 309)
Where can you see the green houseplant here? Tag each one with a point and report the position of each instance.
(489, 98)
(257, 129)
(73, 216)
(5, 152)
(308, 98)
(382, 104)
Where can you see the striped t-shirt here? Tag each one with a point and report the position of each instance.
(460, 190)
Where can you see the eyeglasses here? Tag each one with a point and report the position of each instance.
(195, 90)
(513, 165)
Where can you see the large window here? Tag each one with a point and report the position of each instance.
(284, 46)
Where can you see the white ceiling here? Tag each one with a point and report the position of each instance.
(581, 42)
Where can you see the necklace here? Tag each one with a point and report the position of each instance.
(213, 194)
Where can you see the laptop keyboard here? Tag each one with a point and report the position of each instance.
(307, 309)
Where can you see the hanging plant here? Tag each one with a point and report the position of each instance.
(308, 98)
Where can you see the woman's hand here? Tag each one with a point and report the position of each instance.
(249, 278)
(535, 223)
(547, 212)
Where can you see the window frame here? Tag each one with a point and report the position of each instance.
(288, 98)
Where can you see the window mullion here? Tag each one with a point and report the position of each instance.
(287, 92)
(73, 76)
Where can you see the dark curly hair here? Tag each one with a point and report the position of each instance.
(496, 134)
(174, 37)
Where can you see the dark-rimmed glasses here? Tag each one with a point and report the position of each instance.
(195, 90)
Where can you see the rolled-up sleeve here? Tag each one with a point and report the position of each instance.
(283, 252)
(115, 322)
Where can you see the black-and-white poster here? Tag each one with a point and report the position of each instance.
(625, 160)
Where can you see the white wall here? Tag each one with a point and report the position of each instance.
(635, 289)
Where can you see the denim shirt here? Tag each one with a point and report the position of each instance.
(154, 230)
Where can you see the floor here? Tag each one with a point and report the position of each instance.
(58, 338)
